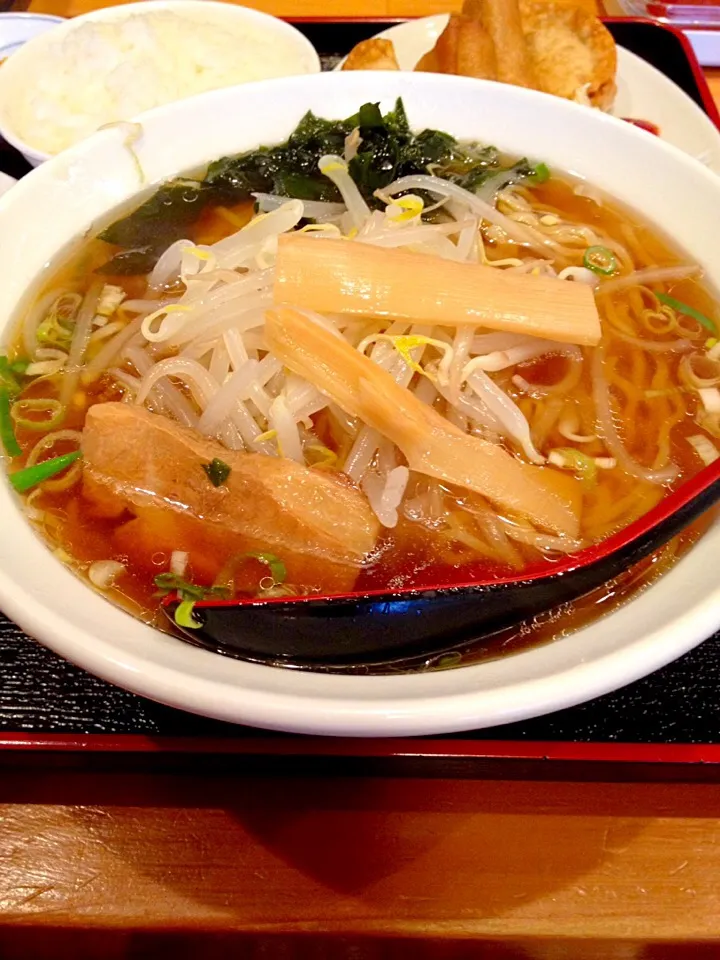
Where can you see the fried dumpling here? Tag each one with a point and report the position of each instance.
(373, 54)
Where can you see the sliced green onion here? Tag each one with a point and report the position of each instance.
(568, 458)
(277, 567)
(688, 311)
(172, 583)
(7, 431)
(52, 331)
(542, 173)
(600, 260)
(30, 477)
(53, 407)
(8, 380)
(218, 471)
(184, 616)
(225, 580)
(448, 660)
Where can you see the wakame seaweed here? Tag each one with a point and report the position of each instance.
(162, 219)
(289, 170)
(386, 149)
(492, 178)
(129, 263)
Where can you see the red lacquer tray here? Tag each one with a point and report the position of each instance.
(666, 727)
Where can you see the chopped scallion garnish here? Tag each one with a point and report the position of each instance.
(7, 431)
(24, 480)
(189, 594)
(448, 660)
(542, 173)
(8, 378)
(184, 616)
(277, 567)
(568, 458)
(56, 330)
(688, 311)
(218, 471)
(53, 410)
(600, 260)
(172, 583)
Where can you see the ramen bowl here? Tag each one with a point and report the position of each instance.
(65, 198)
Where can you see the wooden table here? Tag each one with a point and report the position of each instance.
(104, 865)
(134, 865)
(713, 79)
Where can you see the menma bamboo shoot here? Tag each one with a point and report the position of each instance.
(347, 277)
(431, 444)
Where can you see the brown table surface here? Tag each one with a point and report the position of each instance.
(115, 866)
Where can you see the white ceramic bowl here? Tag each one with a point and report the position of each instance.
(16, 29)
(68, 195)
(299, 55)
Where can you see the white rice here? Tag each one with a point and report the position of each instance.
(105, 72)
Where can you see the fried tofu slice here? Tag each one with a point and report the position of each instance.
(573, 53)
(464, 48)
(501, 19)
(318, 524)
(553, 47)
(373, 54)
(485, 41)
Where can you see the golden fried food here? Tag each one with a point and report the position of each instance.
(464, 48)
(573, 53)
(548, 46)
(373, 54)
(501, 19)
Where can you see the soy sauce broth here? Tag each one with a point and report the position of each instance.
(413, 554)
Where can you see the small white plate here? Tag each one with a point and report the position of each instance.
(644, 93)
(17, 28)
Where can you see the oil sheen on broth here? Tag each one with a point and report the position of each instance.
(619, 423)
